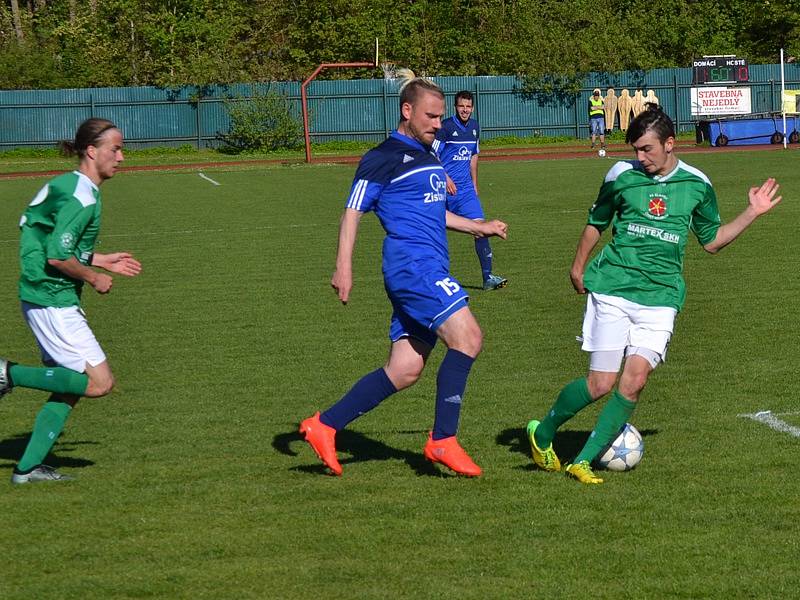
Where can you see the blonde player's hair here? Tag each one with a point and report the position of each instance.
(411, 87)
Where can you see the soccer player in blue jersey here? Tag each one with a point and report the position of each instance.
(403, 182)
(457, 146)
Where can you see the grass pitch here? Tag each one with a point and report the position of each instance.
(192, 481)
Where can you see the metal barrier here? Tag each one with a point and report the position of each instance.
(345, 109)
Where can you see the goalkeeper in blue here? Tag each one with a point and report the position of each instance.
(457, 146)
(634, 285)
(403, 183)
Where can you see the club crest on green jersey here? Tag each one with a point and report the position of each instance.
(657, 207)
(67, 240)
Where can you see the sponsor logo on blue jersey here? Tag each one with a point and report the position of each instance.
(439, 187)
(463, 153)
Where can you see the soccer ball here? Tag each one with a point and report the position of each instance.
(601, 153)
(625, 451)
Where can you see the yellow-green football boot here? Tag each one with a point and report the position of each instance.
(582, 471)
(545, 459)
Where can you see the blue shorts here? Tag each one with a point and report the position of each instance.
(423, 298)
(465, 203)
(597, 126)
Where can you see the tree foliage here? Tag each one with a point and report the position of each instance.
(85, 43)
(263, 122)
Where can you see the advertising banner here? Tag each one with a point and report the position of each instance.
(714, 101)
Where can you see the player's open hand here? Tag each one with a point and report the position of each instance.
(342, 283)
(763, 199)
(122, 263)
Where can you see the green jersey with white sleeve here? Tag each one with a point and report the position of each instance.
(63, 220)
(652, 216)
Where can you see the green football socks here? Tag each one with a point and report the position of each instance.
(612, 418)
(50, 379)
(572, 398)
(49, 424)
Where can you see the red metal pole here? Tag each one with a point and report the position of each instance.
(304, 96)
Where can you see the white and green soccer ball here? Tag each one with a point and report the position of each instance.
(601, 153)
(624, 452)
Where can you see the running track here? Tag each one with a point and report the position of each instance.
(489, 154)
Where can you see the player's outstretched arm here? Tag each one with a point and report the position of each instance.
(476, 228)
(589, 238)
(761, 200)
(342, 280)
(122, 263)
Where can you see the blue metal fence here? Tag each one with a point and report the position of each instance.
(345, 109)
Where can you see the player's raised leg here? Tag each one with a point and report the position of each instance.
(50, 379)
(50, 422)
(406, 361)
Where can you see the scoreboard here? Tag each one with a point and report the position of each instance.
(720, 69)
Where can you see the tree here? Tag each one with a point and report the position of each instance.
(17, 20)
(551, 44)
(764, 27)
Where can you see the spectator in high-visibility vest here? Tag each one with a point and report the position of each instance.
(597, 120)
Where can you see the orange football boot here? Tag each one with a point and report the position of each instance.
(321, 439)
(451, 455)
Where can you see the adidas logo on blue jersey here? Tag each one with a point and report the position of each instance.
(407, 158)
(455, 134)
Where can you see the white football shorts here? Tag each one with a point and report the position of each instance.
(64, 336)
(612, 325)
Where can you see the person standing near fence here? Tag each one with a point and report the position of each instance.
(457, 146)
(58, 234)
(597, 120)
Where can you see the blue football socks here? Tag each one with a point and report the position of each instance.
(451, 381)
(366, 394)
(484, 251)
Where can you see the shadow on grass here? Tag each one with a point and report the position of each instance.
(13, 447)
(361, 448)
(567, 443)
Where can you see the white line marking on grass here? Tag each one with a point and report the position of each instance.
(772, 421)
(221, 230)
(204, 231)
(207, 178)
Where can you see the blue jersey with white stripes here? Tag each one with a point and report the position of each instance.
(404, 183)
(455, 144)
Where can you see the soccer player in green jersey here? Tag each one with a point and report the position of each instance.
(59, 229)
(635, 284)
